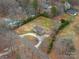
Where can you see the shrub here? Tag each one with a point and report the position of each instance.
(32, 18)
(50, 45)
(64, 23)
(29, 19)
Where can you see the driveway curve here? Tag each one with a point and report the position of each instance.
(39, 38)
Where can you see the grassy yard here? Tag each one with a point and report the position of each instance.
(44, 22)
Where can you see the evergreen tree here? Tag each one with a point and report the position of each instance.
(54, 10)
(35, 4)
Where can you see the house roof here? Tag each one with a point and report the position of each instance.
(71, 11)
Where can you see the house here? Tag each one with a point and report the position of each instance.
(72, 12)
(39, 30)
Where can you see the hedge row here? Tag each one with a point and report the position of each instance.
(32, 18)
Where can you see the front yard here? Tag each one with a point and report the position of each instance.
(42, 22)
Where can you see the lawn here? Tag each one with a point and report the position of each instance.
(43, 22)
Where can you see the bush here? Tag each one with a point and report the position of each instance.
(29, 19)
(64, 23)
(50, 45)
(32, 18)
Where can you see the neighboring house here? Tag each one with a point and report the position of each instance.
(72, 12)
